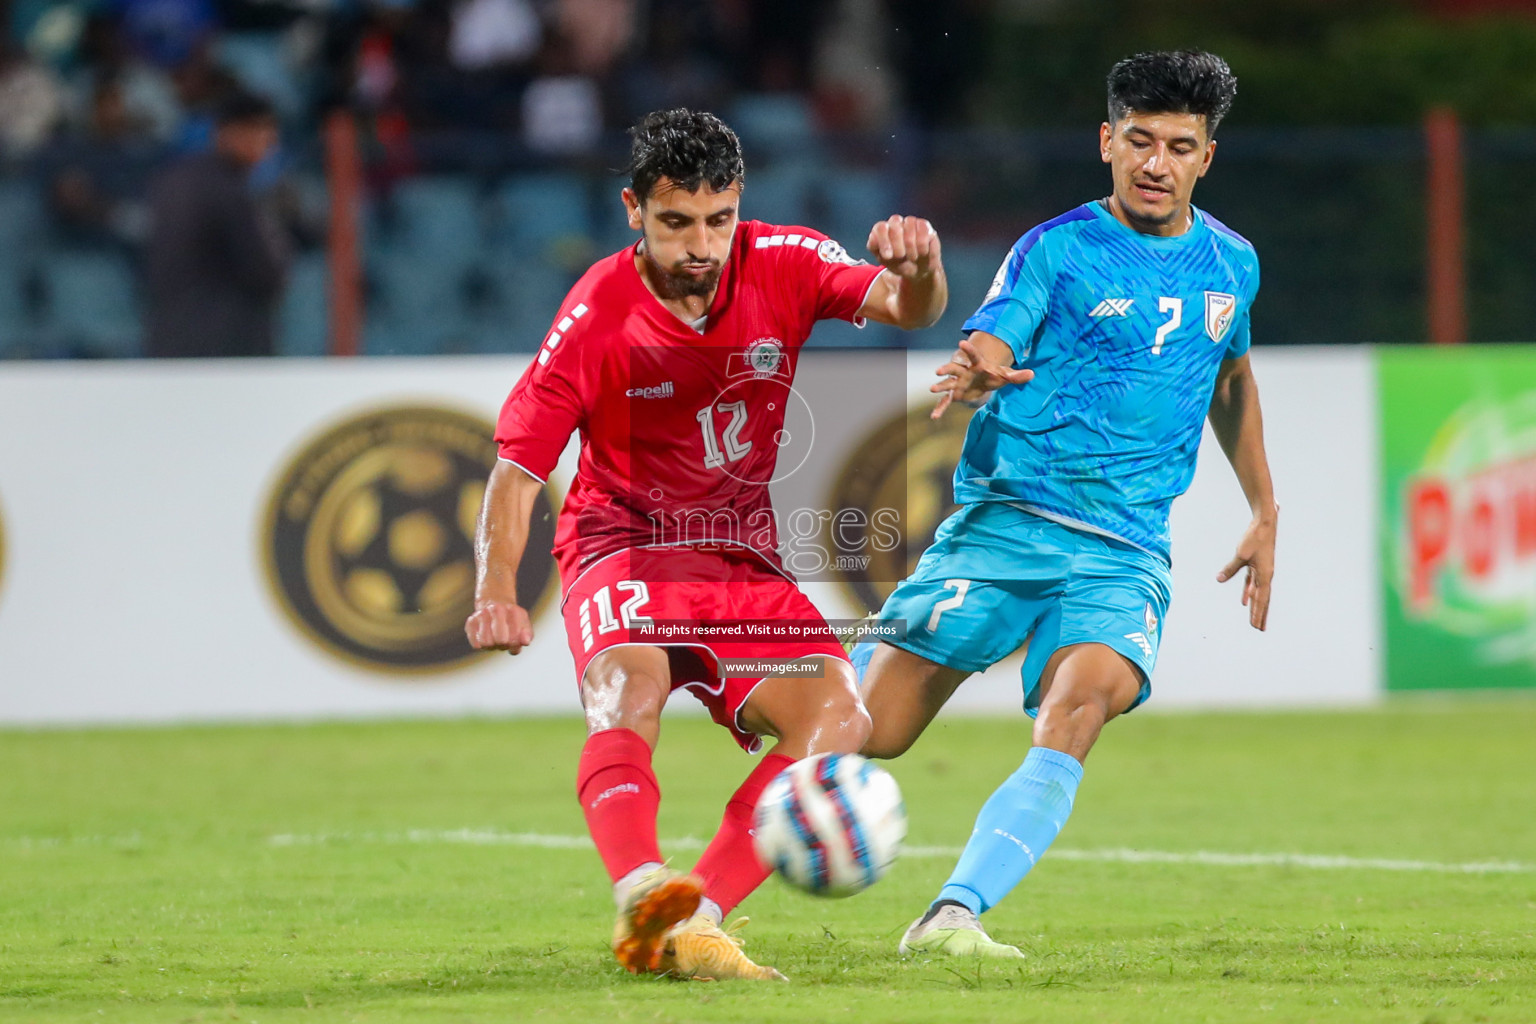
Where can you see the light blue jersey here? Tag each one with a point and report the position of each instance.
(1125, 333)
(1065, 482)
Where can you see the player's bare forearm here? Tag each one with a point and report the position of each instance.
(915, 291)
(1239, 426)
(502, 531)
(919, 301)
(500, 536)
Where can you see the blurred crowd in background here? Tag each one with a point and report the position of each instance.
(490, 129)
(551, 76)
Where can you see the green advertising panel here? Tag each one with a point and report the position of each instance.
(1458, 468)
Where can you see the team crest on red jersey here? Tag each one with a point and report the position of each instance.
(763, 358)
(1220, 311)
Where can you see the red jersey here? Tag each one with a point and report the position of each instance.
(679, 427)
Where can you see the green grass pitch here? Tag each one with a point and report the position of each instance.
(381, 872)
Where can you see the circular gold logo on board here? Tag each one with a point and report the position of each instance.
(370, 537)
(900, 477)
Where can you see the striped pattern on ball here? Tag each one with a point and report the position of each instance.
(830, 824)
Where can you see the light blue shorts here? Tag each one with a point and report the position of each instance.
(996, 576)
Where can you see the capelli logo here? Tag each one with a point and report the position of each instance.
(663, 390)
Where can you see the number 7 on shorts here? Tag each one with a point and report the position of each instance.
(959, 587)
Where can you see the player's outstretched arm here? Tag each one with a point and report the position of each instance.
(982, 364)
(1239, 426)
(915, 291)
(499, 622)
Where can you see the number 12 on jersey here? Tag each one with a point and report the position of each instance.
(735, 448)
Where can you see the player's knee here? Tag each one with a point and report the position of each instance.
(846, 717)
(841, 723)
(885, 744)
(1094, 679)
(1075, 693)
(623, 699)
(1078, 706)
(862, 727)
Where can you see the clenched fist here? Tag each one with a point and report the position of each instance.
(906, 246)
(499, 626)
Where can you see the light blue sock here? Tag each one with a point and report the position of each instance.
(1016, 825)
(860, 656)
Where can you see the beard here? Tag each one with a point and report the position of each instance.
(1147, 219)
(675, 283)
(1153, 220)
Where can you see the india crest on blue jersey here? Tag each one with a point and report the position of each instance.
(1220, 309)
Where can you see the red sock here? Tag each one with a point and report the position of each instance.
(619, 796)
(729, 868)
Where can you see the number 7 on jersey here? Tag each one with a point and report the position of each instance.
(1167, 304)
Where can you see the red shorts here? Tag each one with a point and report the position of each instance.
(699, 606)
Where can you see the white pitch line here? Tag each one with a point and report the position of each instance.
(126, 841)
(466, 836)
(1317, 862)
(1207, 858)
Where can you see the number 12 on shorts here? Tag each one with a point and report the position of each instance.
(607, 622)
(954, 601)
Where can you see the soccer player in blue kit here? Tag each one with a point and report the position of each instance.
(1109, 335)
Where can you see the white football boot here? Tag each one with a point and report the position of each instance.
(953, 930)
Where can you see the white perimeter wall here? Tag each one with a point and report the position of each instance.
(132, 496)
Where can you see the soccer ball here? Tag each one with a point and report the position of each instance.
(831, 824)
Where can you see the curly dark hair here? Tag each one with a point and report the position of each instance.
(1172, 82)
(688, 147)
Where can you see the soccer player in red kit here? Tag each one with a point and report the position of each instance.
(673, 359)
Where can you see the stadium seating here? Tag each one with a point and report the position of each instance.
(412, 304)
(776, 125)
(434, 219)
(302, 327)
(778, 195)
(517, 308)
(258, 61)
(21, 229)
(853, 200)
(543, 208)
(970, 269)
(451, 264)
(93, 302)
